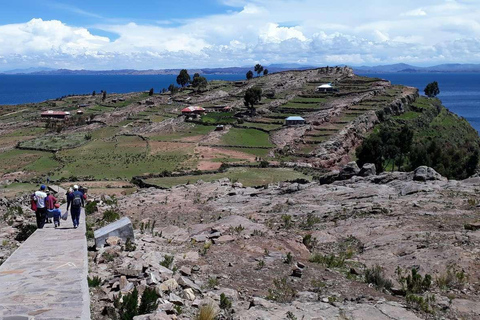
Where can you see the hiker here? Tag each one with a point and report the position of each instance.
(56, 213)
(76, 202)
(50, 201)
(41, 212)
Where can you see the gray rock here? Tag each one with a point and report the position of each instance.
(173, 298)
(187, 283)
(349, 170)
(367, 170)
(122, 228)
(425, 173)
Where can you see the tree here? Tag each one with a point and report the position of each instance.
(265, 72)
(94, 93)
(249, 75)
(258, 69)
(199, 82)
(150, 93)
(183, 78)
(104, 95)
(196, 75)
(172, 89)
(251, 98)
(432, 90)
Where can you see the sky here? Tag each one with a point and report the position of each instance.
(155, 34)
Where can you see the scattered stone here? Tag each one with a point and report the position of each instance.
(187, 283)
(224, 239)
(368, 170)
(188, 294)
(173, 298)
(186, 271)
(113, 241)
(349, 170)
(472, 226)
(169, 285)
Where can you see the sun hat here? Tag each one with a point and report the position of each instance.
(75, 187)
(43, 187)
(57, 205)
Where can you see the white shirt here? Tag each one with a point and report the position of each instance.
(40, 198)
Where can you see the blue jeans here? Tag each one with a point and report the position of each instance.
(76, 216)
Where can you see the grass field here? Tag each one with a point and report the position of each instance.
(194, 130)
(35, 161)
(56, 142)
(247, 176)
(124, 157)
(246, 137)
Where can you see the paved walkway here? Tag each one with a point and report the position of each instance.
(46, 277)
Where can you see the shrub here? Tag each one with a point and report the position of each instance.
(207, 312)
(288, 258)
(25, 232)
(129, 245)
(167, 261)
(212, 282)
(111, 215)
(330, 261)
(420, 303)
(94, 282)
(287, 221)
(225, 302)
(453, 278)
(91, 207)
(148, 302)
(128, 308)
(282, 291)
(375, 277)
(414, 282)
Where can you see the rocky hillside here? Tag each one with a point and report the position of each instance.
(300, 251)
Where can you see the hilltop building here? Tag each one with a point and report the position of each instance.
(55, 114)
(295, 120)
(327, 87)
(193, 110)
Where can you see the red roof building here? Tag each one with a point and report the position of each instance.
(193, 110)
(55, 114)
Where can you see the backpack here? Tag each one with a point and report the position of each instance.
(77, 201)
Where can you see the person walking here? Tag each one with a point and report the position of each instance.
(76, 203)
(50, 201)
(56, 213)
(41, 212)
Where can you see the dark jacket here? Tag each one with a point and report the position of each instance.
(72, 196)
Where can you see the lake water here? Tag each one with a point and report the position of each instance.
(459, 92)
(16, 89)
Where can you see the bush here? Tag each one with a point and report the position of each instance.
(225, 302)
(282, 291)
(94, 282)
(375, 277)
(330, 261)
(111, 215)
(91, 207)
(129, 245)
(25, 232)
(414, 282)
(207, 312)
(128, 308)
(167, 261)
(148, 302)
(453, 278)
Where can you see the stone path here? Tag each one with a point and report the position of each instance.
(46, 277)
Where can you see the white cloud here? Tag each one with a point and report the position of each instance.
(268, 31)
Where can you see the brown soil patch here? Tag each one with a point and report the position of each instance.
(208, 154)
(160, 147)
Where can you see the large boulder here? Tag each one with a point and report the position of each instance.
(425, 173)
(349, 170)
(122, 229)
(368, 170)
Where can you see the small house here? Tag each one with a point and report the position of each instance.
(55, 114)
(114, 100)
(220, 127)
(79, 112)
(83, 105)
(121, 99)
(327, 87)
(227, 109)
(193, 110)
(295, 120)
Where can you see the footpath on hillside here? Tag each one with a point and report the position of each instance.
(46, 277)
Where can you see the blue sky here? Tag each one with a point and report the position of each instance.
(113, 34)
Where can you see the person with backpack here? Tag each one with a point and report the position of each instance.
(41, 210)
(76, 202)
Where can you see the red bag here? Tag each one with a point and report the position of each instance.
(33, 205)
